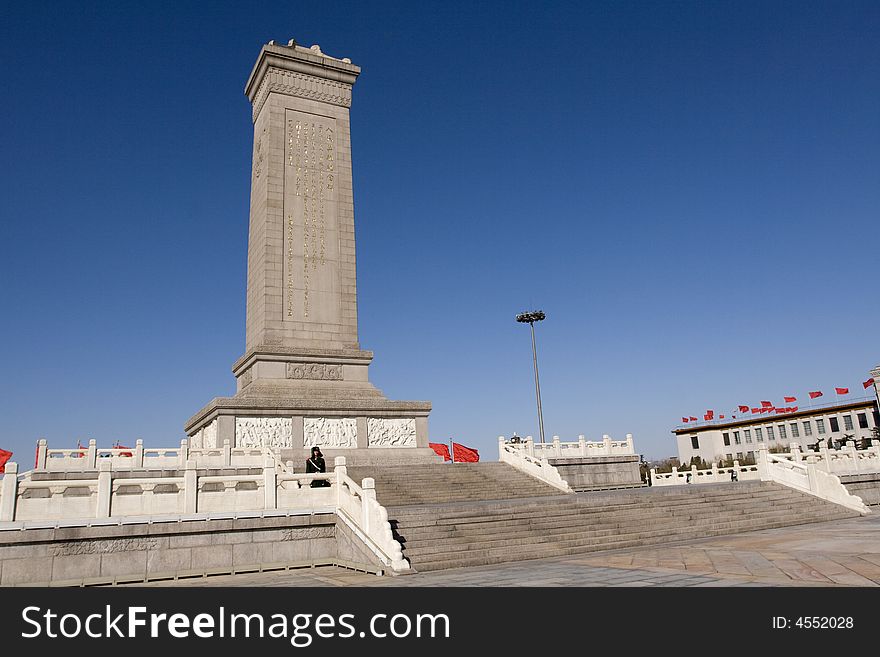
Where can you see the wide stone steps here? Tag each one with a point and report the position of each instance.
(494, 531)
(444, 483)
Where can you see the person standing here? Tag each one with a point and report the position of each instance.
(315, 463)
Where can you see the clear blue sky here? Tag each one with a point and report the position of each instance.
(689, 190)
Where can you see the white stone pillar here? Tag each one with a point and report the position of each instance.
(105, 489)
(582, 445)
(606, 443)
(341, 472)
(92, 455)
(183, 454)
(270, 490)
(41, 454)
(9, 493)
(190, 488)
(138, 453)
(557, 449)
(629, 444)
(500, 447)
(763, 462)
(795, 452)
(530, 445)
(368, 485)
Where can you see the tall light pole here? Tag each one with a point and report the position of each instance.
(530, 318)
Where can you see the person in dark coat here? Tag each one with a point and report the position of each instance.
(315, 463)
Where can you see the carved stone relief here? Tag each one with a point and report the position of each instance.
(102, 547)
(329, 432)
(263, 432)
(387, 432)
(314, 371)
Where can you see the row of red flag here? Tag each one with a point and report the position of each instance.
(768, 407)
(460, 453)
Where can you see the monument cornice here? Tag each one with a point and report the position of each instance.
(272, 407)
(300, 72)
(304, 355)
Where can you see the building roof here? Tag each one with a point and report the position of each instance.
(834, 407)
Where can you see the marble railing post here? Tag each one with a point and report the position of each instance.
(341, 472)
(105, 489)
(530, 446)
(500, 446)
(190, 488)
(853, 454)
(606, 441)
(92, 454)
(9, 493)
(629, 444)
(183, 455)
(270, 492)
(557, 450)
(41, 454)
(795, 449)
(368, 485)
(138, 453)
(763, 462)
(826, 458)
(227, 453)
(582, 445)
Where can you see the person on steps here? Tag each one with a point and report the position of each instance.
(315, 463)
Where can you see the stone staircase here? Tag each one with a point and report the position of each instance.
(455, 533)
(440, 483)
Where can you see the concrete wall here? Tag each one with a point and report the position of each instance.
(104, 555)
(596, 473)
(866, 486)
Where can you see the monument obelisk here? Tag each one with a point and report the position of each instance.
(302, 380)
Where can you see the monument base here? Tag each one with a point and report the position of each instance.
(295, 399)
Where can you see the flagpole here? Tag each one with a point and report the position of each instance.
(451, 450)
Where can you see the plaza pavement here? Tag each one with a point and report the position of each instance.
(836, 553)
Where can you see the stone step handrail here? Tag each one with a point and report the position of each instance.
(713, 475)
(582, 448)
(80, 459)
(808, 478)
(539, 468)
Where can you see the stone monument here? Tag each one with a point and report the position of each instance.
(302, 380)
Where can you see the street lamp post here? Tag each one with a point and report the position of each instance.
(530, 318)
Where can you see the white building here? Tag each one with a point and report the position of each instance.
(737, 439)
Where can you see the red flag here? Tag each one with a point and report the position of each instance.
(744, 409)
(790, 399)
(118, 446)
(842, 391)
(684, 419)
(815, 394)
(707, 417)
(710, 412)
(693, 419)
(793, 409)
(464, 454)
(868, 383)
(721, 417)
(442, 449)
(4, 457)
(767, 404)
(756, 410)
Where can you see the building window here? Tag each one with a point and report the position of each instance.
(729, 457)
(782, 435)
(736, 437)
(863, 420)
(835, 425)
(759, 434)
(848, 425)
(695, 442)
(739, 456)
(770, 434)
(794, 430)
(820, 425)
(751, 455)
(808, 429)
(748, 435)
(726, 439)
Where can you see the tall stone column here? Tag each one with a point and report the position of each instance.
(302, 359)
